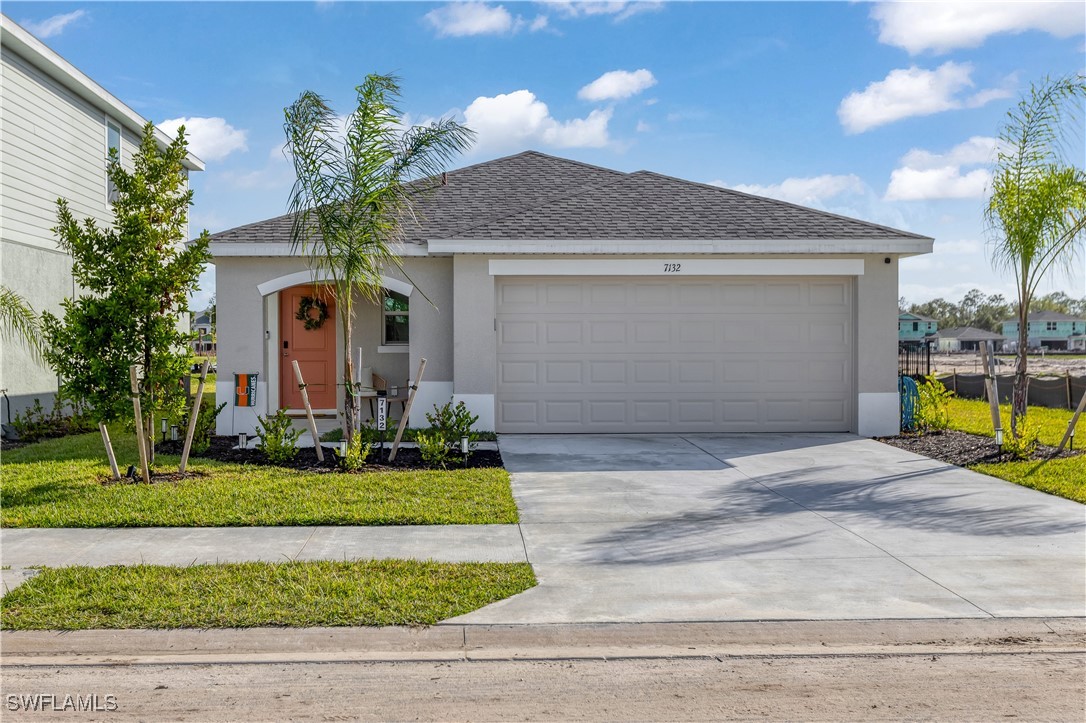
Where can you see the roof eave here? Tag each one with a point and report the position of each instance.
(897, 247)
(41, 56)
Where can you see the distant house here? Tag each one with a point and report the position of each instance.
(967, 338)
(56, 129)
(1077, 342)
(913, 329)
(1048, 329)
(204, 343)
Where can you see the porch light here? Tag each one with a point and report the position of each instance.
(163, 430)
(464, 446)
(999, 437)
(243, 439)
(173, 432)
(342, 448)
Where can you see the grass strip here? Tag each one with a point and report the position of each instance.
(259, 594)
(57, 483)
(1061, 477)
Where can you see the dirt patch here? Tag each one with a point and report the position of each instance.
(962, 449)
(224, 449)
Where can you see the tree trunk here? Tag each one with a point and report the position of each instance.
(343, 308)
(1020, 393)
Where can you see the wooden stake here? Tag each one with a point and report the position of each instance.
(140, 440)
(192, 417)
(1072, 423)
(309, 411)
(407, 411)
(109, 450)
(988, 362)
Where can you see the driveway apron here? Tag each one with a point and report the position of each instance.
(660, 528)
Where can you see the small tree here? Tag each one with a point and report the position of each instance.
(1037, 211)
(354, 190)
(137, 276)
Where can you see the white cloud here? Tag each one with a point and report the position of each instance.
(908, 92)
(643, 127)
(52, 26)
(961, 247)
(520, 119)
(461, 19)
(540, 23)
(805, 191)
(619, 10)
(210, 139)
(944, 26)
(924, 175)
(617, 84)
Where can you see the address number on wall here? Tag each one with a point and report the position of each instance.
(672, 268)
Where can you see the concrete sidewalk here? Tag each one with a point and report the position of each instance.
(22, 549)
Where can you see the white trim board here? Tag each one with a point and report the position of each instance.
(309, 277)
(228, 248)
(901, 247)
(677, 267)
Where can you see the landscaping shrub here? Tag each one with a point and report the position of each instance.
(933, 411)
(433, 447)
(278, 438)
(1024, 446)
(451, 423)
(35, 423)
(205, 425)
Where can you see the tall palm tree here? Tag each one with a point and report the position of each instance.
(1037, 211)
(18, 321)
(357, 181)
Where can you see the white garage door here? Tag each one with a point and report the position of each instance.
(618, 354)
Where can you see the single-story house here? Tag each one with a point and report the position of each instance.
(554, 296)
(1076, 342)
(967, 338)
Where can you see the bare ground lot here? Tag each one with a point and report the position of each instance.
(968, 363)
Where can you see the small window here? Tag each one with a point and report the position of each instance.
(1050, 326)
(396, 318)
(916, 326)
(113, 141)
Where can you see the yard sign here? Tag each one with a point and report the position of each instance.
(245, 390)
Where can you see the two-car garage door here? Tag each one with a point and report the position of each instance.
(691, 354)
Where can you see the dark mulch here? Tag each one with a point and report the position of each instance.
(223, 449)
(963, 449)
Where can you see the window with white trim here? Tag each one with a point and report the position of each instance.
(397, 316)
(1050, 326)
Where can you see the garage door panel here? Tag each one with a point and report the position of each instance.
(613, 355)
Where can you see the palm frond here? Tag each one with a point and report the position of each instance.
(18, 321)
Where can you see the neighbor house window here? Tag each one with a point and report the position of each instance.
(113, 140)
(1050, 326)
(916, 326)
(396, 318)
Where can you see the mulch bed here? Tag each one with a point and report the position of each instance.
(963, 449)
(223, 449)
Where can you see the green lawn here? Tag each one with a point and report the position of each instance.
(243, 595)
(1062, 477)
(58, 483)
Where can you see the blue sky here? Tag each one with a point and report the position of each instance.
(882, 111)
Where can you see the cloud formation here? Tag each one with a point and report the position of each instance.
(618, 10)
(913, 91)
(461, 19)
(804, 191)
(52, 26)
(945, 26)
(211, 139)
(617, 84)
(925, 176)
(519, 119)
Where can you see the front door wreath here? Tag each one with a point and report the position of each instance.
(305, 309)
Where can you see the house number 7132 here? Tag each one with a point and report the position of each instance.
(672, 268)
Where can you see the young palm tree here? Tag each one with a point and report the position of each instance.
(18, 321)
(1037, 211)
(357, 181)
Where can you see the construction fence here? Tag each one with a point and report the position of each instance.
(1052, 391)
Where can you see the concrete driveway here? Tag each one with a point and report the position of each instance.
(773, 527)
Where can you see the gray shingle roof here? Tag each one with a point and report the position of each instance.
(968, 333)
(533, 196)
(1047, 316)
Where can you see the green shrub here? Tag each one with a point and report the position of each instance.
(205, 424)
(35, 423)
(333, 435)
(1023, 446)
(452, 423)
(433, 447)
(278, 438)
(358, 451)
(933, 409)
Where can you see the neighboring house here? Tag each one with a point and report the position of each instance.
(56, 126)
(1048, 329)
(554, 296)
(1077, 342)
(204, 343)
(967, 338)
(913, 329)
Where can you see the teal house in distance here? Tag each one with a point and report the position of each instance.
(913, 329)
(1047, 329)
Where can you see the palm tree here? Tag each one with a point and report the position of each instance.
(1037, 211)
(357, 181)
(18, 321)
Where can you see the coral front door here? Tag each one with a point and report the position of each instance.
(314, 349)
